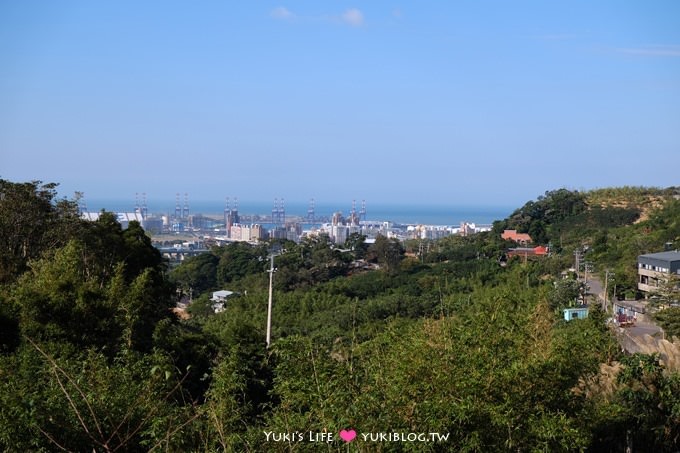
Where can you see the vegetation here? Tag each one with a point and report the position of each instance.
(364, 337)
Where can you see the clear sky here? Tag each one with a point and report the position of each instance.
(456, 102)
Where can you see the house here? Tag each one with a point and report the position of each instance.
(513, 235)
(580, 312)
(528, 251)
(656, 269)
(219, 298)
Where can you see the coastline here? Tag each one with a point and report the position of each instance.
(406, 214)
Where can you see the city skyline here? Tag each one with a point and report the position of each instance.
(488, 104)
(435, 214)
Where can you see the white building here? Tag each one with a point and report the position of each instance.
(339, 233)
(219, 299)
(124, 218)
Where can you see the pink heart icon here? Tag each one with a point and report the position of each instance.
(348, 436)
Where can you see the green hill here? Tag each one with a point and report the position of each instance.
(450, 342)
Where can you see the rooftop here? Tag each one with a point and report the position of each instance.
(673, 255)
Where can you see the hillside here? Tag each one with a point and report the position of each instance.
(450, 343)
(643, 199)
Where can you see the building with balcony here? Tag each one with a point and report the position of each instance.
(656, 269)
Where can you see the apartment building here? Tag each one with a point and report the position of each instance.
(656, 269)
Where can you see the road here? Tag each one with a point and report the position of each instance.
(644, 328)
(595, 288)
(635, 333)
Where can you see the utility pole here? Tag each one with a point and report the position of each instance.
(607, 275)
(269, 306)
(577, 266)
(587, 267)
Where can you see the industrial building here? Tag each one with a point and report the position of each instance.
(124, 218)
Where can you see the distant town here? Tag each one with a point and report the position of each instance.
(182, 233)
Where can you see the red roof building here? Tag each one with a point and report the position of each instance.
(528, 251)
(513, 235)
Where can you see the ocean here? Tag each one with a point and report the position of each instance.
(443, 214)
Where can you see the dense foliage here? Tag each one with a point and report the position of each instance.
(365, 337)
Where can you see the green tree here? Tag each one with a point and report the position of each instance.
(85, 402)
(668, 291)
(225, 409)
(669, 320)
(357, 243)
(564, 293)
(646, 406)
(106, 284)
(388, 252)
(197, 273)
(32, 220)
(239, 259)
(544, 218)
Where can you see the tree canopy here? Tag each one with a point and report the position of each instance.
(454, 341)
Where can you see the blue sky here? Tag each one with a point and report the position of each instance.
(486, 102)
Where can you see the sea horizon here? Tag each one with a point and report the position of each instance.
(406, 213)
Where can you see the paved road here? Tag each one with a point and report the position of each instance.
(644, 328)
(636, 332)
(595, 288)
